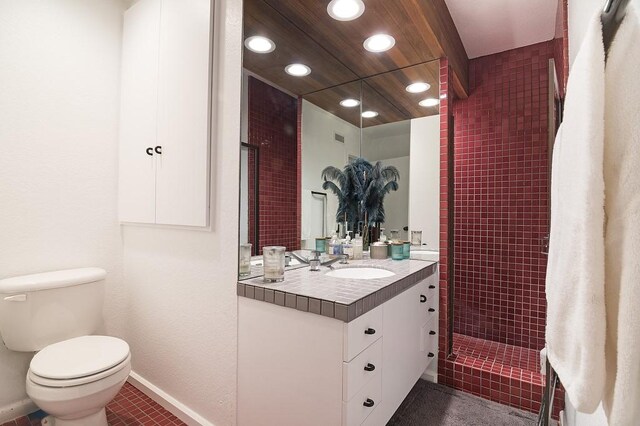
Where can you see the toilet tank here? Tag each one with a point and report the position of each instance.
(41, 309)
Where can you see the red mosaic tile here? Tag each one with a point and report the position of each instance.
(501, 198)
(273, 129)
(499, 205)
(130, 407)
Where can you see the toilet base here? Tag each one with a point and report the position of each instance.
(96, 419)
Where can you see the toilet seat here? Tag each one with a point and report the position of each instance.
(78, 361)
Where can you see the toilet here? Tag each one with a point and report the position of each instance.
(74, 374)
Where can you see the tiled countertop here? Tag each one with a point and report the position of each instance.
(340, 298)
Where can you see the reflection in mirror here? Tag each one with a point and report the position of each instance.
(390, 103)
(294, 128)
(330, 137)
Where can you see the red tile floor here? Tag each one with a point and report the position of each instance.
(129, 408)
(499, 372)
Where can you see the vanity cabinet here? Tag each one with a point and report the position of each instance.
(301, 368)
(165, 113)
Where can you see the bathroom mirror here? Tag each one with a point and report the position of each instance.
(294, 126)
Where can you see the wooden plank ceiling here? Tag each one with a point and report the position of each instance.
(304, 33)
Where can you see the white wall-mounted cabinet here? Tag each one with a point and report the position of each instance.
(165, 113)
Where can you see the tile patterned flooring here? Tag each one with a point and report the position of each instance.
(503, 373)
(129, 408)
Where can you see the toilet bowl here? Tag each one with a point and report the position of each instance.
(75, 379)
(74, 374)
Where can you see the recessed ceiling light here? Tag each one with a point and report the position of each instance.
(369, 114)
(379, 43)
(418, 87)
(429, 102)
(345, 10)
(297, 70)
(350, 103)
(259, 44)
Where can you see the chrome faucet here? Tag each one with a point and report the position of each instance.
(315, 263)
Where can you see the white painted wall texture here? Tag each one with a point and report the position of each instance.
(59, 85)
(424, 196)
(182, 315)
(319, 150)
(390, 143)
(170, 292)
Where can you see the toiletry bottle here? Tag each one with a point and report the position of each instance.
(335, 246)
(357, 248)
(347, 248)
(383, 238)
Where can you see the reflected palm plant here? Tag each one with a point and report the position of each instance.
(361, 188)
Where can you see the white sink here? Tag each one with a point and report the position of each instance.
(423, 254)
(360, 273)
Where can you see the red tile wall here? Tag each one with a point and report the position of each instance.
(444, 341)
(501, 198)
(500, 212)
(273, 117)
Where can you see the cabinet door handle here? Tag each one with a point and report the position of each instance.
(431, 310)
(432, 286)
(431, 333)
(149, 151)
(423, 298)
(370, 331)
(430, 355)
(158, 149)
(369, 367)
(368, 403)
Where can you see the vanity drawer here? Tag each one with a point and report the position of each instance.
(429, 341)
(356, 411)
(359, 371)
(362, 332)
(428, 301)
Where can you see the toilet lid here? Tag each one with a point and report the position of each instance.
(79, 357)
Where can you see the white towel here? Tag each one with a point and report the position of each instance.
(622, 207)
(575, 332)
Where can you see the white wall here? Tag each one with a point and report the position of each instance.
(424, 196)
(386, 141)
(319, 150)
(59, 79)
(580, 12)
(59, 85)
(390, 143)
(182, 313)
(396, 203)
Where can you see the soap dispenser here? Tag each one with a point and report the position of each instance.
(335, 246)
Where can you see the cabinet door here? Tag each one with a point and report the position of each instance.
(183, 108)
(138, 112)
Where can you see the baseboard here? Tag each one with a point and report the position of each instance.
(430, 376)
(18, 409)
(171, 404)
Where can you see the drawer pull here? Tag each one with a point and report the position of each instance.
(369, 367)
(431, 310)
(432, 286)
(368, 403)
(431, 333)
(370, 331)
(430, 355)
(423, 298)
